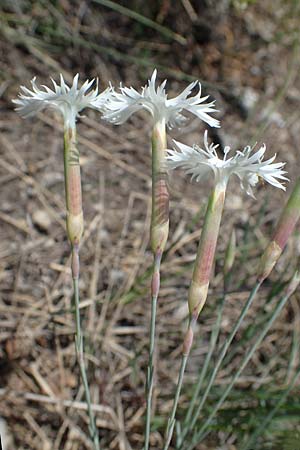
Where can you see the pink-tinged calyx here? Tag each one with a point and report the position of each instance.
(285, 227)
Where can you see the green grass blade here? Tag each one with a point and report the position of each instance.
(212, 346)
(224, 352)
(198, 436)
(143, 20)
(253, 438)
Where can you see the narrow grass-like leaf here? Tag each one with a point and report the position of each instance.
(143, 20)
(264, 424)
(223, 354)
(213, 340)
(198, 435)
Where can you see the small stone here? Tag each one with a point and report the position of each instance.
(249, 98)
(117, 275)
(41, 219)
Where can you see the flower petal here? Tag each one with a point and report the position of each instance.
(68, 100)
(126, 102)
(248, 168)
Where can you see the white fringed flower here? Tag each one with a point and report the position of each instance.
(248, 166)
(68, 100)
(123, 104)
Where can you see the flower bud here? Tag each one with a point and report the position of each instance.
(287, 222)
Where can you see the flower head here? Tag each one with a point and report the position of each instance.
(123, 104)
(247, 165)
(68, 100)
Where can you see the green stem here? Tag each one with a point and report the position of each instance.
(198, 437)
(212, 346)
(158, 237)
(199, 284)
(150, 368)
(171, 420)
(80, 353)
(74, 232)
(223, 353)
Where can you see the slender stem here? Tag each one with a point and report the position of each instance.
(263, 425)
(199, 284)
(171, 420)
(198, 436)
(150, 368)
(79, 349)
(74, 231)
(212, 346)
(223, 353)
(158, 237)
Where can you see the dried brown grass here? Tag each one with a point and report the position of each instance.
(41, 399)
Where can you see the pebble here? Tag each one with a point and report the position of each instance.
(41, 219)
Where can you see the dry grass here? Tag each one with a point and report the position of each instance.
(42, 403)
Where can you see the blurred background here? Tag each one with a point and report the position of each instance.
(246, 55)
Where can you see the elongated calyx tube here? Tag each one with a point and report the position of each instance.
(204, 260)
(159, 235)
(286, 224)
(160, 192)
(75, 223)
(206, 252)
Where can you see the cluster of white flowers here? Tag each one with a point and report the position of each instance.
(118, 106)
